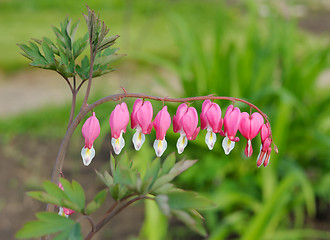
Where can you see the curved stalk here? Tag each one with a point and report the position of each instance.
(109, 215)
(64, 146)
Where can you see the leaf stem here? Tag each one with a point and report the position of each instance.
(73, 106)
(90, 220)
(107, 217)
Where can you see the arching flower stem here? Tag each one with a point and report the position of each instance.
(116, 97)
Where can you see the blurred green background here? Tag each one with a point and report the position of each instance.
(274, 54)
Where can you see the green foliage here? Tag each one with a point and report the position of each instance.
(61, 55)
(50, 223)
(268, 61)
(96, 203)
(72, 196)
(126, 179)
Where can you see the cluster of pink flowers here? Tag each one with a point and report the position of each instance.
(185, 121)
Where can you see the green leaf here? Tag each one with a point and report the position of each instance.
(178, 168)
(180, 199)
(192, 220)
(113, 169)
(97, 202)
(168, 163)
(74, 192)
(73, 233)
(54, 190)
(79, 193)
(51, 45)
(59, 36)
(108, 42)
(73, 30)
(114, 192)
(28, 52)
(182, 166)
(70, 205)
(83, 70)
(152, 172)
(48, 223)
(167, 187)
(44, 197)
(162, 202)
(79, 46)
(64, 58)
(49, 54)
(105, 178)
(108, 178)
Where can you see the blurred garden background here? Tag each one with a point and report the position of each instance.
(275, 54)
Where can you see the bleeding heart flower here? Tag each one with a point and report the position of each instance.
(265, 132)
(212, 121)
(265, 148)
(265, 151)
(250, 127)
(118, 121)
(185, 121)
(141, 120)
(161, 123)
(231, 123)
(90, 131)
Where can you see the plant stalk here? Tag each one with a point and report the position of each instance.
(64, 146)
(107, 217)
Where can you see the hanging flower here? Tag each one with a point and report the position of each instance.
(90, 131)
(250, 127)
(161, 123)
(118, 121)
(211, 121)
(231, 123)
(185, 121)
(265, 151)
(265, 132)
(265, 148)
(65, 212)
(141, 120)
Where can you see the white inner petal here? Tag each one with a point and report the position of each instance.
(267, 162)
(227, 145)
(61, 213)
(138, 139)
(210, 139)
(160, 147)
(249, 147)
(118, 143)
(87, 155)
(263, 159)
(181, 143)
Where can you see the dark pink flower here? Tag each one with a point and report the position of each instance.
(250, 127)
(90, 131)
(265, 148)
(118, 121)
(231, 123)
(212, 121)
(265, 151)
(185, 121)
(161, 123)
(265, 132)
(141, 120)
